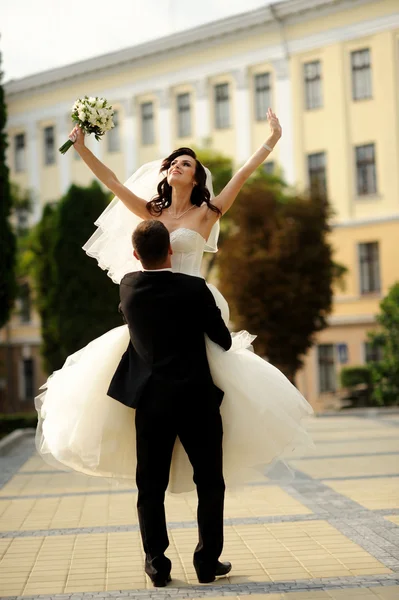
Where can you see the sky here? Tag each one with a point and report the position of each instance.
(43, 34)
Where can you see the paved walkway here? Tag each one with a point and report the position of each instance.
(331, 532)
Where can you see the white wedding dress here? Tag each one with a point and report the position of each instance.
(83, 429)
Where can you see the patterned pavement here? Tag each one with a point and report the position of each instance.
(330, 532)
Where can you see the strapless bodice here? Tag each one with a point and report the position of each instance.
(188, 248)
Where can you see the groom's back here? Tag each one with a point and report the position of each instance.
(168, 315)
(163, 311)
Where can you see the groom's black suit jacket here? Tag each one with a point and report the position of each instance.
(168, 315)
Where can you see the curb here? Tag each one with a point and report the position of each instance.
(368, 412)
(13, 438)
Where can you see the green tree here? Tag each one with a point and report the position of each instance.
(38, 260)
(76, 300)
(220, 166)
(276, 269)
(7, 236)
(385, 372)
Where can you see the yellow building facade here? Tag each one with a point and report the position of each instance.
(330, 70)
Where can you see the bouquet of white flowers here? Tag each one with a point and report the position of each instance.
(93, 115)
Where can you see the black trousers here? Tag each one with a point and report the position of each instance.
(195, 419)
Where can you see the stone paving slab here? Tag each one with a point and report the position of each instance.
(330, 532)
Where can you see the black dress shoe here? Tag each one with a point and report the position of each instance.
(161, 582)
(222, 568)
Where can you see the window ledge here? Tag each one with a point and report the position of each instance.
(368, 197)
(371, 295)
(367, 295)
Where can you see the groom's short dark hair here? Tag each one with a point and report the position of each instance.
(151, 242)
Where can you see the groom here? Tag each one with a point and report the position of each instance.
(165, 375)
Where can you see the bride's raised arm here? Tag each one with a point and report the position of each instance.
(229, 193)
(107, 177)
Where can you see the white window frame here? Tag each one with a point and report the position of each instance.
(312, 81)
(147, 123)
(183, 109)
(113, 136)
(262, 95)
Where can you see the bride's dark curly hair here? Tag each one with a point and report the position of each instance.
(199, 194)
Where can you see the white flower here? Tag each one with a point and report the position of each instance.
(93, 119)
(95, 112)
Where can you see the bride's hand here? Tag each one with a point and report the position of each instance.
(77, 136)
(274, 123)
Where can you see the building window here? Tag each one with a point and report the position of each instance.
(361, 74)
(28, 384)
(366, 177)
(113, 136)
(25, 303)
(262, 96)
(317, 173)
(49, 145)
(372, 353)
(268, 167)
(326, 362)
(222, 106)
(183, 115)
(19, 149)
(312, 77)
(147, 124)
(22, 217)
(369, 267)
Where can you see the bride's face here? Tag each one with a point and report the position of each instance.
(182, 171)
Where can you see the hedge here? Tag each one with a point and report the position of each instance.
(10, 422)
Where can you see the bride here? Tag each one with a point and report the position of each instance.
(80, 426)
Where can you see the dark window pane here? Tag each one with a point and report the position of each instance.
(269, 167)
(369, 267)
(49, 146)
(326, 364)
(366, 178)
(372, 353)
(19, 152)
(28, 390)
(361, 74)
(317, 173)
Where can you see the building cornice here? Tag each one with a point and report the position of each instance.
(271, 16)
(366, 221)
(337, 320)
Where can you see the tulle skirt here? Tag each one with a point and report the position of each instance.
(81, 428)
